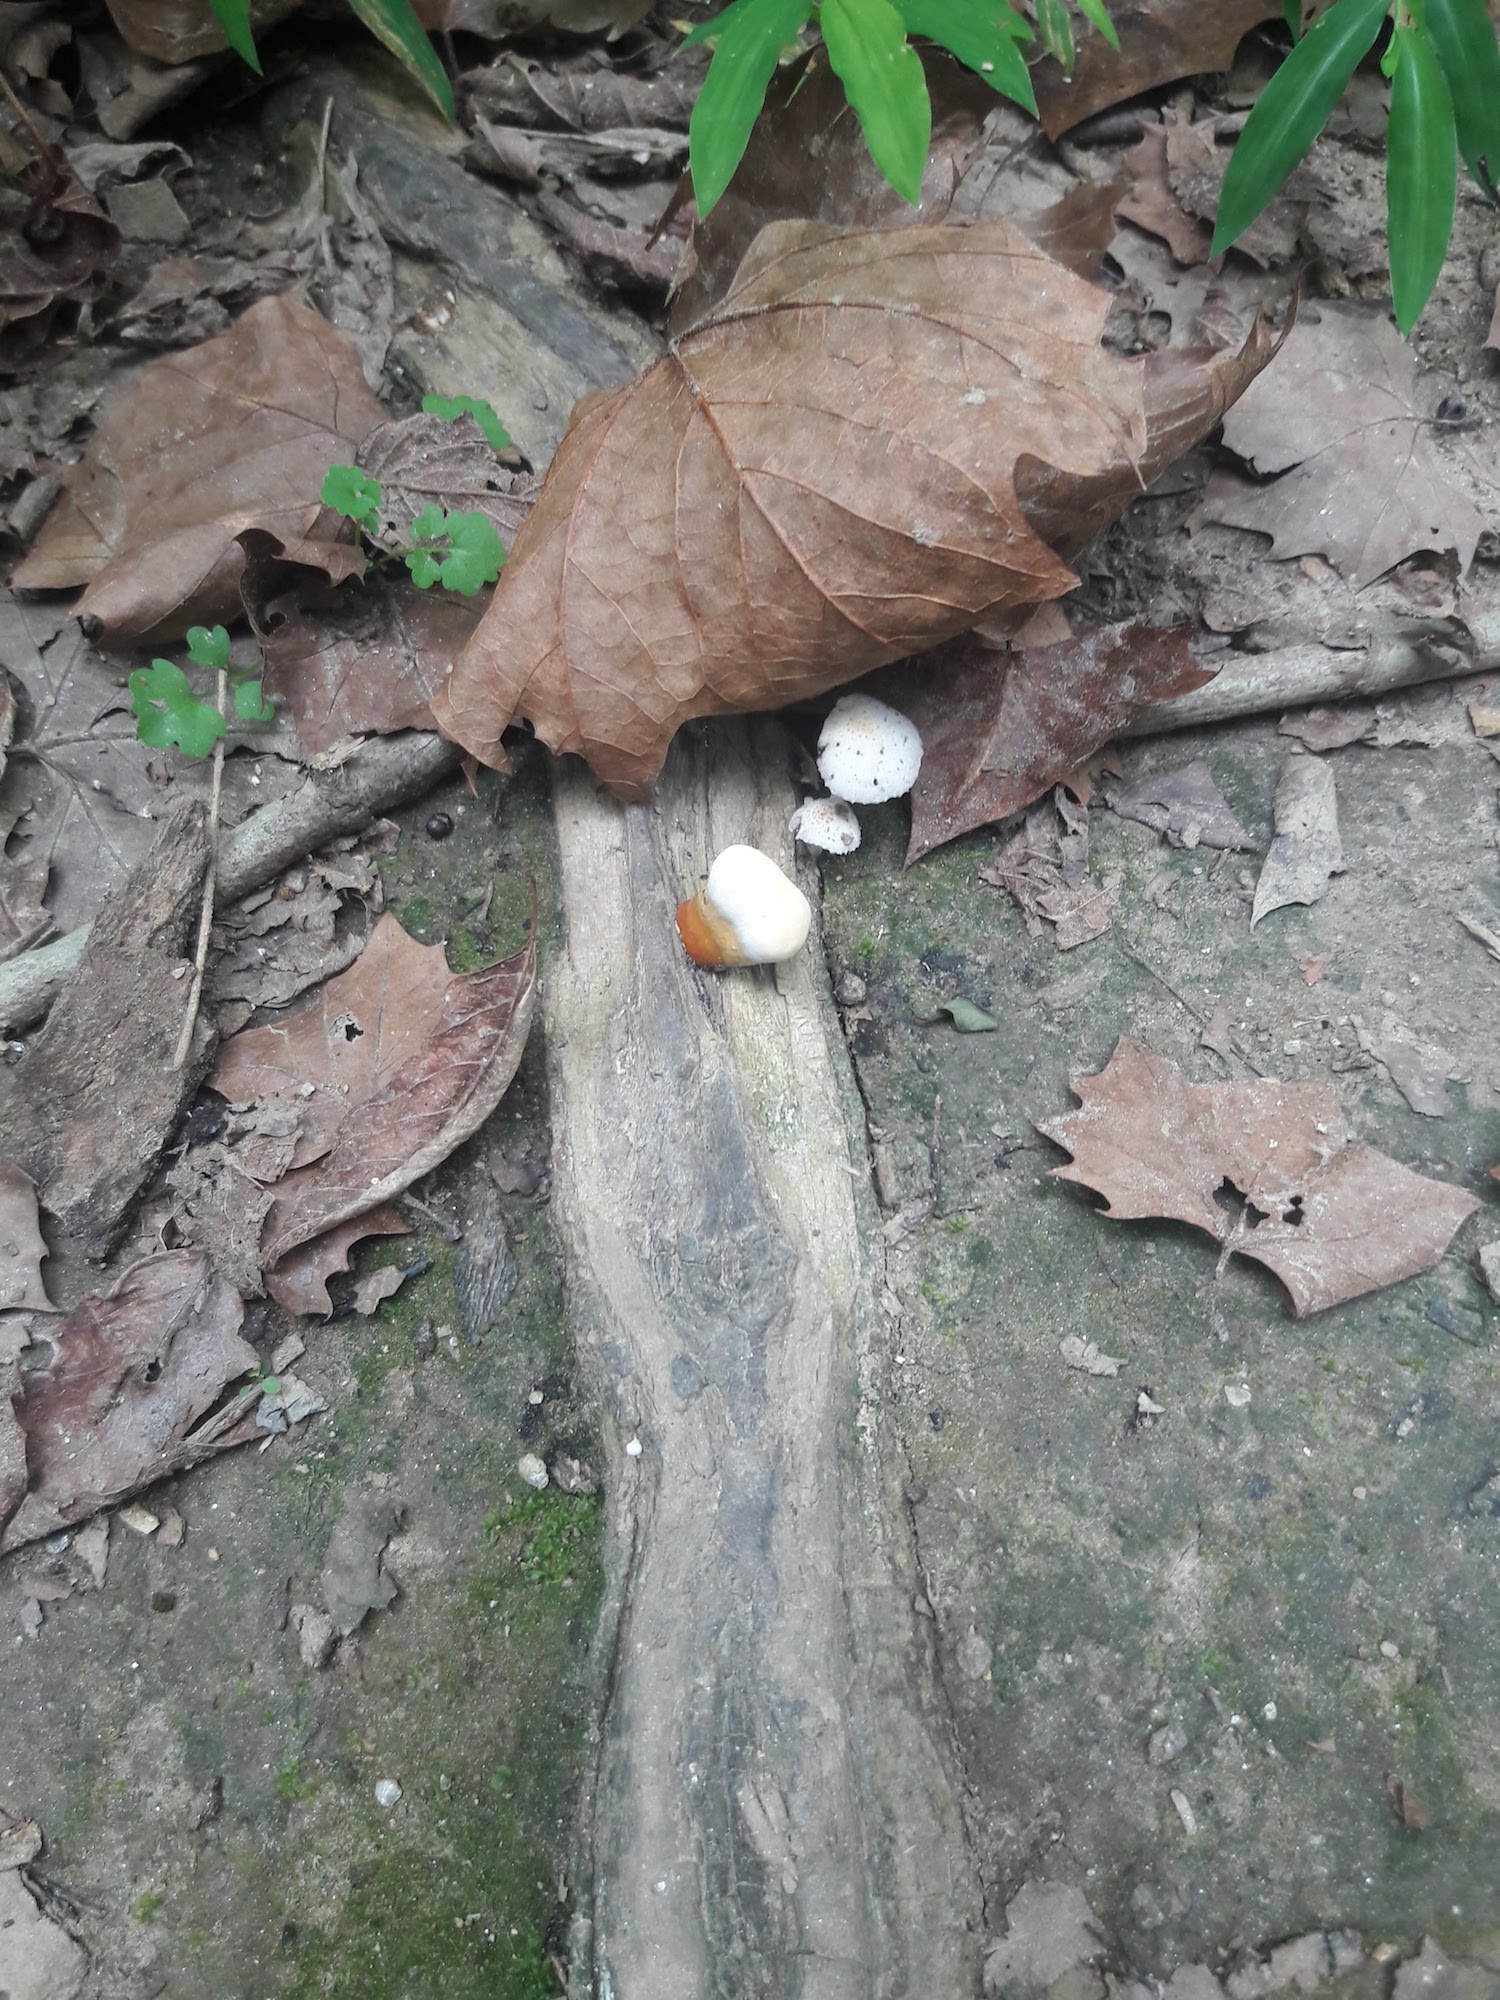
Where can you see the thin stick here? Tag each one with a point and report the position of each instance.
(205, 920)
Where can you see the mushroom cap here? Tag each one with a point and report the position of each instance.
(768, 914)
(829, 824)
(868, 751)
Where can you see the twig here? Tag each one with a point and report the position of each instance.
(1484, 934)
(206, 918)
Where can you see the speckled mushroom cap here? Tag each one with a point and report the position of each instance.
(828, 824)
(868, 751)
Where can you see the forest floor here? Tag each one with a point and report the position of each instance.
(1213, 1590)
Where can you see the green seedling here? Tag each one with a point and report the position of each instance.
(168, 709)
(483, 413)
(461, 551)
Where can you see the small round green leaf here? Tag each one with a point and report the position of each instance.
(352, 493)
(167, 710)
(250, 704)
(208, 645)
(1421, 174)
(483, 413)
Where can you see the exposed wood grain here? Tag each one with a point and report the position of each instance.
(773, 1812)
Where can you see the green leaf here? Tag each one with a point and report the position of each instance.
(711, 29)
(752, 35)
(250, 704)
(1095, 12)
(885, 84)
(483, 413)
(394, 23)
(233, 16)
(1056, 31)
(1292, 110)
(167, 711)
(967, 1018)
(981, 35)
(208, 645)
(354, 494)
(1291, 13)
(1421, 174)
(1464, 37)
(478, 553)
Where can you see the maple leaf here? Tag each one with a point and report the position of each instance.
(395, 1063)
(237, 433)
(1362, 483)
(999, 728)
(847, 462)
(1333, 1218)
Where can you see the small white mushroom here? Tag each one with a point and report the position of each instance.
(746, 913)
(868, 751)
(828, 824)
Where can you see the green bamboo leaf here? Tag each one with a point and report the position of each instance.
(884, 82)
(233, 16)
(1463, 35)
(714, 26)
(1421, 174)
(1095, 12)
(1056, 31)
(394, 23)
(1292, 110)
(1292, 14)
(981, 35)
(752, 35)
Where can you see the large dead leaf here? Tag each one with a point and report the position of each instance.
(1000, 729)
(1331, 1217)
(236, 434)
(396, 1062)
(1160, 40)
(846, 463)
(1342, 419)
(130, 1394)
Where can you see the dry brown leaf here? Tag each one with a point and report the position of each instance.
(130, 1395)
(54, 241)
(425, 459)
(299, 1284)
(498, 18)
(1340, 418)
(581, 93)
(999, 729)
(1045, 868)
(21, 1247)
(1331, 1217)
(396, 1062)
(236, 434)
(1306, 850)
(1160, 41)
(819, 478)
(1185, 804)
(291, 935)
(1151, 204)
(179, 31)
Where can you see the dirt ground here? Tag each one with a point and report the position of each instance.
(1215, 1625)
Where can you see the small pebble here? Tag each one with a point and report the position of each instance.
(851, 991)
(1390, 1649)
(532, 1469)
(439, 826)
(387, 1794)
(633, 1449)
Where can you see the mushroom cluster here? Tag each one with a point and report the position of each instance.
(868, 752)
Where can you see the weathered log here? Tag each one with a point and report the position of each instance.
(773, 1811)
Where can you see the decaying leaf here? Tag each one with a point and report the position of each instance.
(1045, 868)
(1151, 204)
(1331, 1217)
(54, 238)
(449, 461)
(1421, 1079)
(236, 434)
(394, 1063)
(21, 1246)
(1185, 804)
(1000, 728)
(1341, 419)
(1160, 40)
(131, 1393)
(179, 31)
(867, 448)
(290, 935)
(299, 1284)
(1306, 850)
(818, 478)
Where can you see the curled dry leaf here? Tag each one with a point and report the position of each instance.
(233, 435)
(131, 1394)
(1331, 1217)
(1306, 850)
(1001, 728)
(21, 1245)
(395, 1063)
(846, 463)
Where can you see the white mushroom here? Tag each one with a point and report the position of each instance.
(746, 913)
(826, 823)
(868, 751)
